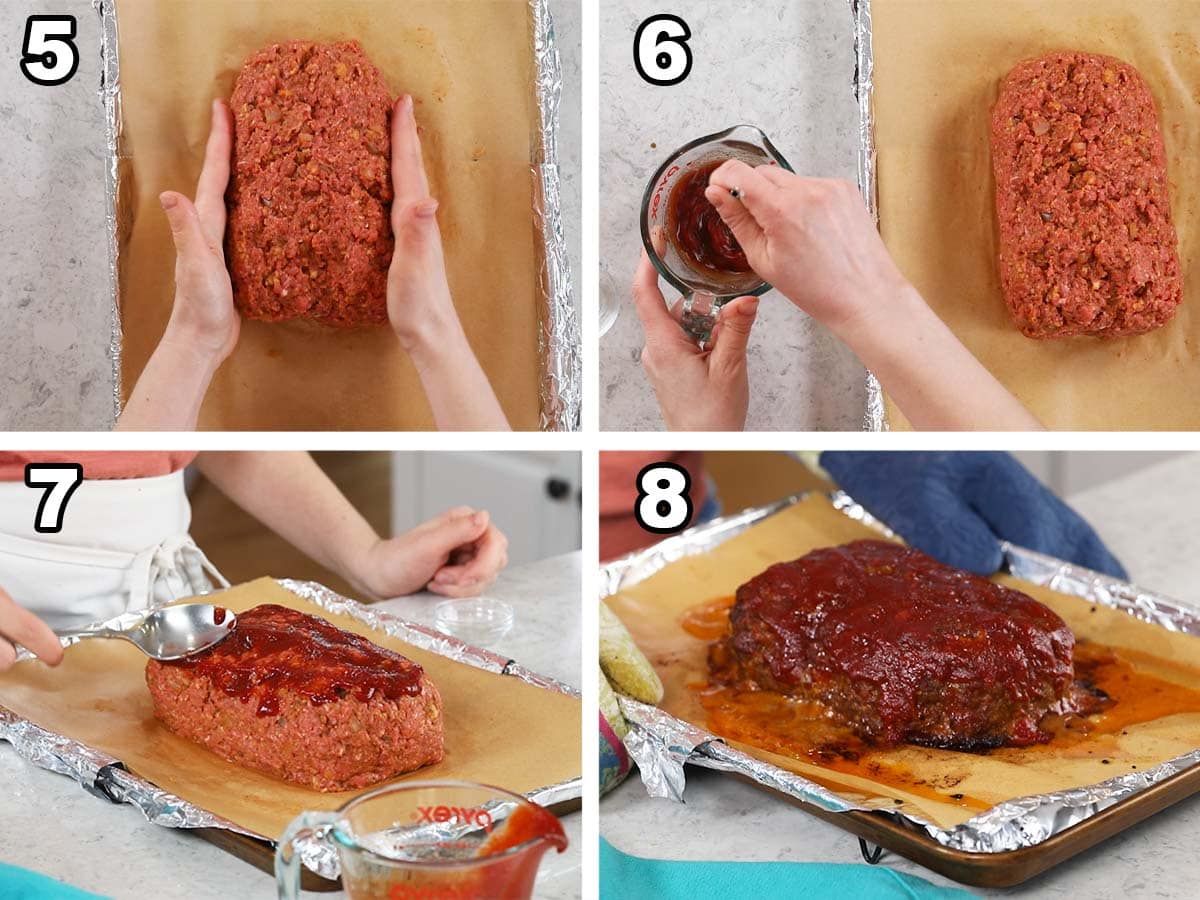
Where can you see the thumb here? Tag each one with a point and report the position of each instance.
(737, 216)
(455, 532)
(186, 229)
(736, 320)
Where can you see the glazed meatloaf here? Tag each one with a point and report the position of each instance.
(310, 199)
(291, 695)
(1086, 241)
(901, 647)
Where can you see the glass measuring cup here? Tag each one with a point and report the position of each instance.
(704, 290)
(448, 839)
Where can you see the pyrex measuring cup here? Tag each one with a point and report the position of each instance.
(446, 839)
(704, 290)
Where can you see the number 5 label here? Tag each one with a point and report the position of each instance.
(663, 505)
(60, 481)
(48, 55)
(660, 51)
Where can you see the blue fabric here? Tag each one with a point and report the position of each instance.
(625, 877)
(21, 884)
(958, 506)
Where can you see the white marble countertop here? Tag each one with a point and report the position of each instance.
(55, 371)
(112, 850)
(1148, 520)
(785, 65)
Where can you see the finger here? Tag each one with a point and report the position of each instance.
(456, 532)
(488, 556)
(729, 348)
(186, 229)
(776, 175)
(455, 591)
(214, 177)
(8, 655)
(24, 628)
(454, 512)
(734, 213)
(408, 166)
(415, 226)
(741, 183)
(651, 306)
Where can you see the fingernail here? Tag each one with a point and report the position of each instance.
(406, 103)
(479, 518)
(749, 308)
(168, 201)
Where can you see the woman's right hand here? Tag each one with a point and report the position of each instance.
(811, 238)
(20, 627)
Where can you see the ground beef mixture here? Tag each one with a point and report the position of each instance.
(309, 203)
(1086, 240)
(900, 647)
(296, 697)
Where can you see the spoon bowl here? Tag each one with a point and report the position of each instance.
(166, 633)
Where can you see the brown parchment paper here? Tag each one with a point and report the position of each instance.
(499, 730)
(938, 67)
(652, 610)
(469, 65)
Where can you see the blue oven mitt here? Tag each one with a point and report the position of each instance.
(21, 884)
(958, 506)
(635, 878)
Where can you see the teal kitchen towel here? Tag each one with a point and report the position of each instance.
(625, 877)
(21, 884)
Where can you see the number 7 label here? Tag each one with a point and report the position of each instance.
(60, 481)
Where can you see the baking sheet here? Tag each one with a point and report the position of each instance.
(936, 74)
(652, 606)
(499, 729)
(485, 77)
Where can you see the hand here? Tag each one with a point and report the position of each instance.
(811, 238)
(203, 317)
(457, 554)
(421, 310)
(958, 507)
(19, 626)
(698, 390)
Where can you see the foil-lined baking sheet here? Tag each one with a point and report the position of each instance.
(561, 376)
(99, 774)
(662, 744)
(864, 69)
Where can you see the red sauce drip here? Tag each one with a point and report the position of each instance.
(697, 230)
(526, 823)
(272, 648)
(219, 614)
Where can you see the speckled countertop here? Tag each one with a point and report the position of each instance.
(113, 850)
(1148, 519)
(787, 66)
(55, 372)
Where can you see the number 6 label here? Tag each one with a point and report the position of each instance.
(660, 51)
(663, 505)
(60, 481)
(48, 55)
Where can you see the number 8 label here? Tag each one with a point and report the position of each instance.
(663, 505)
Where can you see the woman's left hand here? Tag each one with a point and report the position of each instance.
(457, 554)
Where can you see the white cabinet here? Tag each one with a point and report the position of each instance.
(534, 498)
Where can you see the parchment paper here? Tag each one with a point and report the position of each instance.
(469, 66)
(499, 730)
(938, 67)
(652, 610)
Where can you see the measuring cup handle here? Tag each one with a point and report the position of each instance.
(699, 316)
(309, 825)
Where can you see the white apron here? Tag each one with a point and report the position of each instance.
(124, 545)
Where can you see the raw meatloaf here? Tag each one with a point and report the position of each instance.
(294, 696)
(1086, 240)
(901, 647)
(309, 204)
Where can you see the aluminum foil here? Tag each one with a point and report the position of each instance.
(104, 776)
(864, 94)
(561, 378)
(662, 744)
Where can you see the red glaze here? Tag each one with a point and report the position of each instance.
(272, 647)
(696, 228)
(526, 823)
(902, 647)
(219, 614)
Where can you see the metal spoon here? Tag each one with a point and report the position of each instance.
(171, 632)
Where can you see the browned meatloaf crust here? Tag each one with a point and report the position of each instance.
(901, 647)
(1086, 240)
(293, 696)
(309, 204)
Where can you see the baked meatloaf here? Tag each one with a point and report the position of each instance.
(1086, 240)
(310, 199)
(291, 695)
(901, 648)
